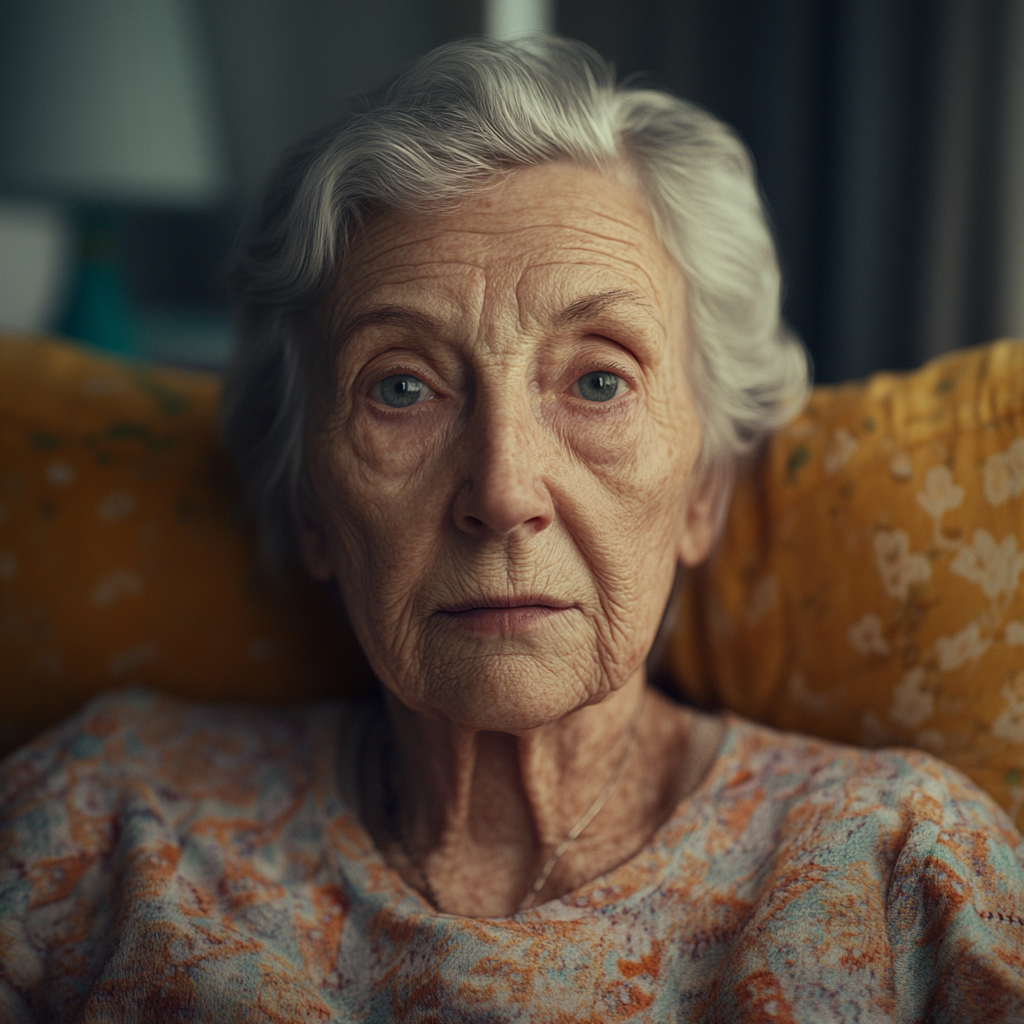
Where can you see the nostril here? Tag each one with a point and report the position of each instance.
(502, 495)
(498, 518)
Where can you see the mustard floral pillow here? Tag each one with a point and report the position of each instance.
(122, 557)
(870, 585)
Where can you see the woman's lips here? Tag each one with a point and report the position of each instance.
(504, 615)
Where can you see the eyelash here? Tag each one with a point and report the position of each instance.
(391, 371)
(607, 367)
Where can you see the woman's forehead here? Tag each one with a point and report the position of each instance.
(554, 226)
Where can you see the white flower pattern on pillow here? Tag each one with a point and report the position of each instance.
(940, 493)
(8, 565)
(967, 645)
(897, 565)
(1009, 723)
(993, 566)
(116, 506)
(996, 568)
(911, 704)
(1004, 474)
(114, 585)
(866, 636)
(844, 444)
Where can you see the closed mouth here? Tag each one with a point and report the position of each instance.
(493, 602)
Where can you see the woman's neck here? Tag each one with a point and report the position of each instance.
(477, 813)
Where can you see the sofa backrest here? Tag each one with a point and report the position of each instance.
(868, 586)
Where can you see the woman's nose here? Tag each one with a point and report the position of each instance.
(504, 492)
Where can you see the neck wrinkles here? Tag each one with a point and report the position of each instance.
(481, 811)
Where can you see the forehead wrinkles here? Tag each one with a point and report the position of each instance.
(547, 234)
(404, 258)
(483, 231)
(593, 262)
(506, 259)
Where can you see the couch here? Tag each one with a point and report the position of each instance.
(869, 586)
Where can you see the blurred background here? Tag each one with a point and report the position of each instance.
(888, 134)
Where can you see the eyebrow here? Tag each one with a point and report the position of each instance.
(400, 316)
(589, 307)
(586, 308)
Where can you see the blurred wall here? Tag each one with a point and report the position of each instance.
(287, 67)
(282, 69)
(888, 134)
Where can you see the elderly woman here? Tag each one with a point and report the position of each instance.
(505, 335)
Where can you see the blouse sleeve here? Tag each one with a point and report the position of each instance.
(96, 887)
(955, 907)
(57, 835)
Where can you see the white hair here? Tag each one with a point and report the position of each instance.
(442, 131)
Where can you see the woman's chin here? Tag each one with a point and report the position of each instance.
(502, 695)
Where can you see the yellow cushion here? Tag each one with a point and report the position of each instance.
(870, 584)
(868, 587)
(122, 558)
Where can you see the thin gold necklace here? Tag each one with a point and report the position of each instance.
(394, 819)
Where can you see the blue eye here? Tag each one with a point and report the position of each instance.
(598, 386)
(401, 390)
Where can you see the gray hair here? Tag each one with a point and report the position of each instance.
(441, 132)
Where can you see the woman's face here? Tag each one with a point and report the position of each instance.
(501, 473)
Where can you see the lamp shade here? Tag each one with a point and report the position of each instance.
(507, 19)
(106, 101)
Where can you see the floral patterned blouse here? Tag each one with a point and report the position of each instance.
(167, 861)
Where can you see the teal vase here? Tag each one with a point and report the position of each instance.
(99, 310)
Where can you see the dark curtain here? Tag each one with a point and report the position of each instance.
(875, 128)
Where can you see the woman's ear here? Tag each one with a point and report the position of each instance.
(707, 502)
(314, 549)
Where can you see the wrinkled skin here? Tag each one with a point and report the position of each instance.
(506, 544)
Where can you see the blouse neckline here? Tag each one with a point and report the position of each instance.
(335, 786)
